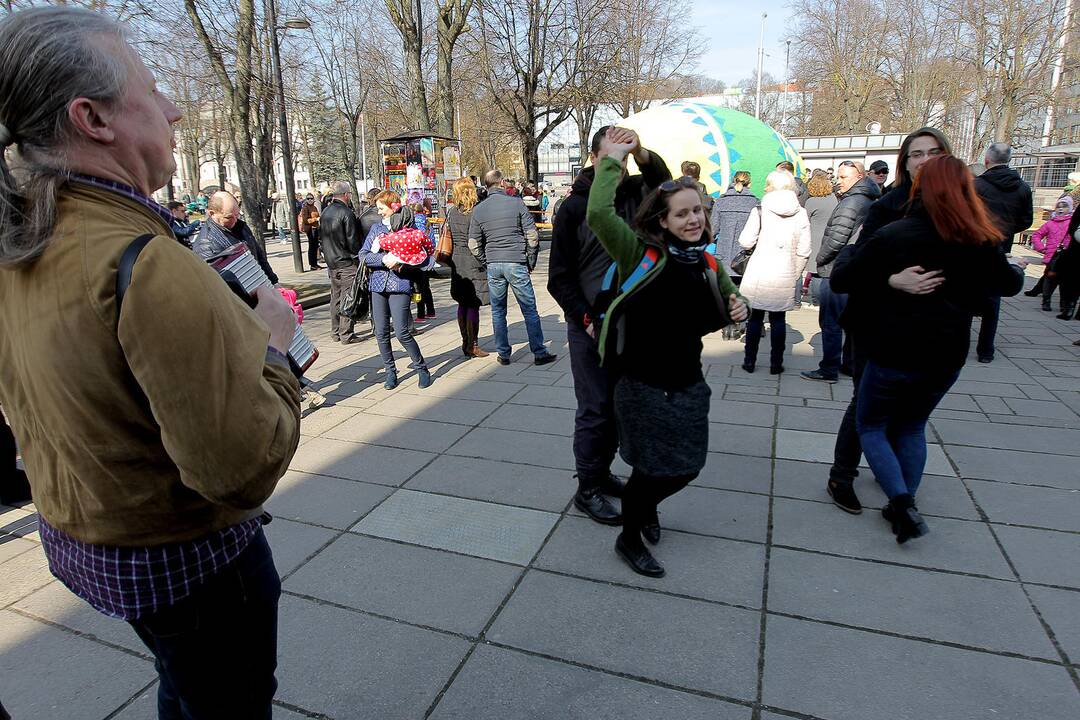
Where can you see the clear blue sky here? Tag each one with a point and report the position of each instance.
(731, 30)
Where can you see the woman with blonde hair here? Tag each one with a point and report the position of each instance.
(779, 232)
(468, 278)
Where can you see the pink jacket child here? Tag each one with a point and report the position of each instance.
(1054, 233)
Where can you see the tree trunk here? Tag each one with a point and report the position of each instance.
(452, 16)
(406, 17)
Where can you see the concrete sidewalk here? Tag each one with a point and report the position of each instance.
(434, 567)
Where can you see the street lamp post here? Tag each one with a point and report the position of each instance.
(283, 121)
(760, 62)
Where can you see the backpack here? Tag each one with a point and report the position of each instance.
(609, 292)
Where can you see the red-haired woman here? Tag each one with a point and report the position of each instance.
(945, 255)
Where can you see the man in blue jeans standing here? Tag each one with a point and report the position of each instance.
(857, 194)
(503, 237)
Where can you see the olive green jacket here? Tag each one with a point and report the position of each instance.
(162, 426)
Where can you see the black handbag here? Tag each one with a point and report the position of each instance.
(738, 263)
(356, 302)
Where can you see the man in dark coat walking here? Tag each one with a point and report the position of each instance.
(1008, 198)
(576, 272)
(339, 236)
(858, 194)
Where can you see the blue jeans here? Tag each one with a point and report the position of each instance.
(516, 276)
(988, 327)
(215, 651)
(893, 407)
(399, 306)
(832, 335)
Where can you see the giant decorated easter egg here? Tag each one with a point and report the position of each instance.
(721, 140)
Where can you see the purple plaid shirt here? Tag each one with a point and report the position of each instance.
(131, 583)
(126, 191)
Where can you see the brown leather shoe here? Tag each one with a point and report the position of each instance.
(479, 352)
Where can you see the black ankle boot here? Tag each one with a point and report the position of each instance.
(650, 529)
(843, 496)
(592, 502)
(906, 521)
(640, 560)
(613, 485)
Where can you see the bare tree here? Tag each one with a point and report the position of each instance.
(452, 18)
(406, 17)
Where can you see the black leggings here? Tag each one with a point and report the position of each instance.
(641, 496)
(426, 306)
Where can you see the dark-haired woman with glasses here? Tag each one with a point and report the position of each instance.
(670, 294)
(918, 338)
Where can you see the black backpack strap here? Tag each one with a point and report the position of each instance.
(127, 265)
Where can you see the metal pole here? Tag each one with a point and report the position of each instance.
(363, 150)
(1055, 82)
(286, 148)
(787, 60)
(760, 62)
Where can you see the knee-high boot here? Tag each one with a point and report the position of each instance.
(463, 328)
(473, 323)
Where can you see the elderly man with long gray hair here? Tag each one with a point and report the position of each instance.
(155, 411)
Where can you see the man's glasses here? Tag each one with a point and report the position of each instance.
(880, 172)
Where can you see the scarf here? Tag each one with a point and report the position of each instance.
(689, 254)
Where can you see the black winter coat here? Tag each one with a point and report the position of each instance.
(213, 239)
(367, 220)
(468, 275)
(845, 220)
(1067, 266)
(578, 260)
(921, 332)
(339, 235)
(1008, 198)
(889, 208)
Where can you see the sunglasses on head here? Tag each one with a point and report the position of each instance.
(678, 184)
(848, 163)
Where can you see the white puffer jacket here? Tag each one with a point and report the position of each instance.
(779, 232)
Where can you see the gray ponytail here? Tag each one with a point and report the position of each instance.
(48, 57)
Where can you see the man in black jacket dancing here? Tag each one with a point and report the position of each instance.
(576, 273)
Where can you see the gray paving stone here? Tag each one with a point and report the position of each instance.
(740, 413)
(145, 708)
(740, 439)
(702, 567)
(957, 545)
(55, 603)
(554, 397)
(499, 482)
(457, 411)
(1041, 409)
(515, 446)
(992, 404)
(293, 542)
(990, 614)
(466, 387)
(10, 546)
(532, 418)
(324, 500)
(792, 385)
(674, 640)
(736, 472)
(1016, 466)
(1043, 556)
(717, 512)
(414, 584)
(812, 419)
(95, 681)
(397, 432)
(321, 419)
(1037, 392)
(772, 399)
(499, 684)
(1030, 421)
(497, 532)
(803, 660)
(953, 401)
(23, 574)
(349, 665)
(357, 461)
(1047, 440)
(1060, 608)
(1025, 505)
(818, 447)
(938, 495)
(990, 389)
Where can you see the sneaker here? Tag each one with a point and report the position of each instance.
(844, 497)
(545, 359)
(819, 376)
